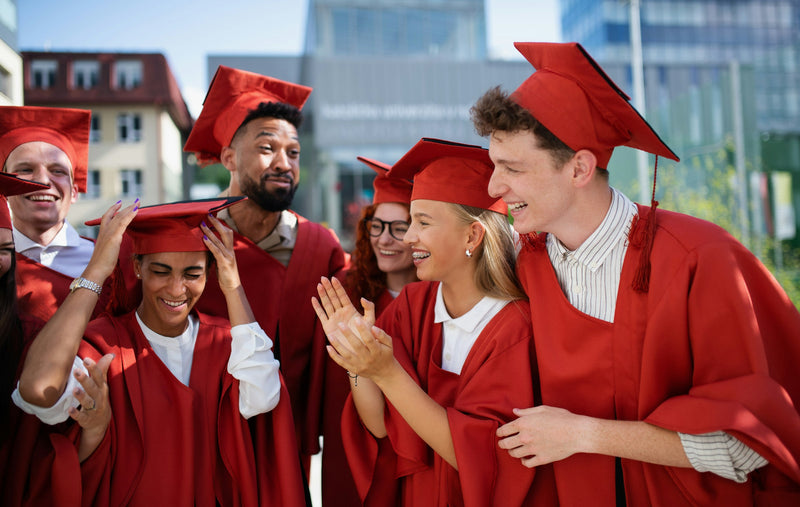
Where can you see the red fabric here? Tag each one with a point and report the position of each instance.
(66, 129)
(232, 95)
(435, 166)
(11, 184)
(338, 487)
(387, 189)
(574, 98)
(41, 290)
(171, 444)
(497, 377)
(280, 298)
(712, 346)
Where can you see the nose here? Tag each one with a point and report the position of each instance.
(176, 288)
(385, 237)
(281, 162)
(411, 235)
(40, 174)
(496, 187)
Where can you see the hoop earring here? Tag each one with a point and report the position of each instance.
(469, 254)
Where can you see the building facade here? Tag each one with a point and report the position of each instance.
(385, 74)
(10, 59)
(718, 75)
(138, 127)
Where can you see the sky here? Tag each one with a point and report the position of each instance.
(187, 31)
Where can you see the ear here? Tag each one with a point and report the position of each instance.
(137, 267)
(584, 164)
(228, 158)
(476, 232)
(74, 196)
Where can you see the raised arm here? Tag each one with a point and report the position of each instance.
(51, 355)
(251, 361)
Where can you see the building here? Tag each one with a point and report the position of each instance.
(719, 75)
(385, 74)
(10, 59)
(139, 123)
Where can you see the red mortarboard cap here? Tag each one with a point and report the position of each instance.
(387, 188)
(449, 172)
(12, 185)
(66, 129)
(574, 98)
(173, 227)
(232, 95)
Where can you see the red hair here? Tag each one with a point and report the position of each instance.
(364, 278)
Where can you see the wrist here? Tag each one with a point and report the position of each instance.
(388, 375)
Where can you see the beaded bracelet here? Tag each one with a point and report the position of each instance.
(354, 377)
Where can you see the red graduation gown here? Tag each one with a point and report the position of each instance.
(38, 462)
(712, 346)
(280, 298)
(497, 376)
(172, 444)
(338, 487)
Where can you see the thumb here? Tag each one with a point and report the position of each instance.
(381, 336)
(369, 311)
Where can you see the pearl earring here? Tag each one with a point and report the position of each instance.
(469, 254)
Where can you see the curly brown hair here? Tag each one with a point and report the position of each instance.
(364, 278)
(495, 110)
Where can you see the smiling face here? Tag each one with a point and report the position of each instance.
(539, 193)
(392, 254)
(172, 282)
(438, 241)
(264, 160)
(40, 211)
(6, 250)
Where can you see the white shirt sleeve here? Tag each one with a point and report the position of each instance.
(59, 412)
(721, 454)
(256, 368)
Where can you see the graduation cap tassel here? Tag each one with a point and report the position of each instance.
(641, 280)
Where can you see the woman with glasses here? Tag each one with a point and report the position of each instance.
(449, 359)
(381, 266)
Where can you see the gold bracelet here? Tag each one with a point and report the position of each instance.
(354, 377)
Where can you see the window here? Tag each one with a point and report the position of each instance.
(129, 128)
(43, 73)
(85, 74)
(5, 82)
(94, 132)
(93, 184)
(128, 74)
(131, 182)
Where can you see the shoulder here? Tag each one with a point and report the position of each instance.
(322, 234)
(688, 232)
(213, 320)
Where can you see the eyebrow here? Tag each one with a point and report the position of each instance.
(7, 244)
(167, 266)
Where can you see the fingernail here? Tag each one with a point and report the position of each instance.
(136, 208)
(205, 237)
(203, 223)
(118, 202)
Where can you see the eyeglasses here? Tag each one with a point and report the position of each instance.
(376, 226)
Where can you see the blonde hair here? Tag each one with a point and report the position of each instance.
(495, 271)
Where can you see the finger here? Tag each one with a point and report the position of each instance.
(87, 402)
(77, 415)
(331, 293)
(321, 315)
(337, 358)
(535, 461)
(100, 374)
(381, 337)
(325, 300)
(509, 442)
(369, 310)
(342, 344)
(341, 293)
(519, 412)
(508, 429)
(84, 378)
(360, 331)
(110, 212)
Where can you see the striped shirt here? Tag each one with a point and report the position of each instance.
(589, 277)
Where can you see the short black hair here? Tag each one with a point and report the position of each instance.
(279, 110)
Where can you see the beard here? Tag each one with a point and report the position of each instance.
(276, 200)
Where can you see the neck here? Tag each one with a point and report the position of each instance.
(585, 217)
(461, 295)
(396, 280)
(158, 328)
(253, 221)
(41, 236)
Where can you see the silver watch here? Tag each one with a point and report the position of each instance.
(83, 283)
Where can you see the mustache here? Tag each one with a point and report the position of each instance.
(286, 177)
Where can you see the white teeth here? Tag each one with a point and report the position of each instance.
(420, 255)
(173, 303)
(517, 205)
(387, 252)
(48, 198)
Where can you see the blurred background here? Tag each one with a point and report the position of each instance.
(718, 79)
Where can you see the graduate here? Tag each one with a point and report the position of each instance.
(200, 415)
(667, 352)
(380, 267)
(449, 359)
(49, 145)
(250, 123)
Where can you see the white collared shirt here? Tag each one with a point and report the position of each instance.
(589, 277)
(280, 242)
(68, 253)
(459, 334)
(251, 362)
